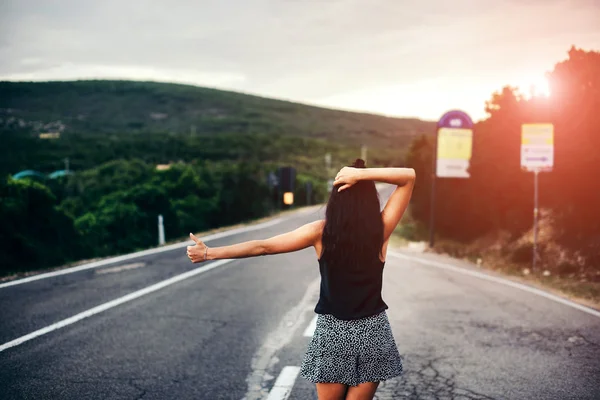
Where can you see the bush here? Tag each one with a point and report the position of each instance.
(34, 232)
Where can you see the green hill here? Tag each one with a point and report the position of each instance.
(108, 114)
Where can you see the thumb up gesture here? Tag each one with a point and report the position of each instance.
(197, 253)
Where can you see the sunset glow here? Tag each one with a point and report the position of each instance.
(536, 86)
(404, 59)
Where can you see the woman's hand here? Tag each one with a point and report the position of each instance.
(197, 253)
(347, 177)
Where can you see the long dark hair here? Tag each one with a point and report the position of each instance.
(353, 231)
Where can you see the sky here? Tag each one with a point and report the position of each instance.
(392, 57)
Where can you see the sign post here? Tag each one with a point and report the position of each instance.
(451, 155)
(537, 155)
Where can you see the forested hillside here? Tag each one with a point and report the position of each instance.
(159, 122)
(199, 157)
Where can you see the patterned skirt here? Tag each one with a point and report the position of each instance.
(351, 352)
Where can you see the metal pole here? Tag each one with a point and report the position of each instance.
(432, 205)
(535, 216)
(328, 171)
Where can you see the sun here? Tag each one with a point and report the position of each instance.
(535, 86)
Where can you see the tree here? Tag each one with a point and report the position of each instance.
(34, 233)
(499, 195)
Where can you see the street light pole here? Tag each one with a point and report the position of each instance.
(363, 153)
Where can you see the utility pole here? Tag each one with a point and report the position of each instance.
(66, 160)
(328, 171)
(363, 153)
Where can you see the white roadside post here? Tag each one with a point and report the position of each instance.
(161, 230)
(537, 155)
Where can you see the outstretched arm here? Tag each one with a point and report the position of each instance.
(298, 239)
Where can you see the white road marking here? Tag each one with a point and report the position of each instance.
(142, 253)
(284, 383)
(310, 329)
(112, 303)
(265, 357)
(120, 268)
(496, 279)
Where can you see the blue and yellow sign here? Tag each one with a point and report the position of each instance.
(454, 145)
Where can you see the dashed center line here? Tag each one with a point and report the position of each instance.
(265, 357)
(120, 268)
(284, 383)
(310, 329)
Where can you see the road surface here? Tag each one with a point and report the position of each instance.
(238, 330)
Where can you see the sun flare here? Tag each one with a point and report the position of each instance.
(535, 86)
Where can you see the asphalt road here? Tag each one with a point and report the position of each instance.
(236, 331)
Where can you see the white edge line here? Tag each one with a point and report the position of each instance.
(112, 303)
(142, 253)
(310, 329)
(284, 384)
(503, 281)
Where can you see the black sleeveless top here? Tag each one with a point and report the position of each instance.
(350, 293)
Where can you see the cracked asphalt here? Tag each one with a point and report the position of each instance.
(461, 337)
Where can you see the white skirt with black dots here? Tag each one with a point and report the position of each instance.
(352, 352)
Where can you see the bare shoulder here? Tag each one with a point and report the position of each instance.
(316, 226)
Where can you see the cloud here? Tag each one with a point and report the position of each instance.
(305, 50)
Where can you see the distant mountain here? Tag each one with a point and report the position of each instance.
(122, 107)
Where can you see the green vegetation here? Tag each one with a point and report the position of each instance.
(491, 213)
(99, 121)
(113, 208)
(220, 146)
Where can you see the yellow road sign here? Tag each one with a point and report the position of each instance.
(454, 143)
(537, 146)
(537, 134)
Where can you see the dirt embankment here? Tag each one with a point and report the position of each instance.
(558, 269)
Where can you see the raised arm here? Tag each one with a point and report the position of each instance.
(403, 178)
(298, 239)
